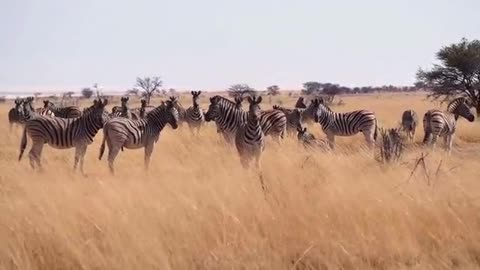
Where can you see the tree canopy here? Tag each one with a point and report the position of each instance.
(456, 74)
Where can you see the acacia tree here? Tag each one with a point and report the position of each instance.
(310, 88)
(240, 90)
(149, 86)
(457, 74)
(87, 92)
(272, 91)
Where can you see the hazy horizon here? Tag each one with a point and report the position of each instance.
(210, 45)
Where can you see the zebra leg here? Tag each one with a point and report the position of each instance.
(79, 156)
(112, 154)
(433, 141)
(148, 154)
(369, 138)
(449, 143)
(35, 154)
(331, 141)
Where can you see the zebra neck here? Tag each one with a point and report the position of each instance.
(156, 123)
(254, 130)
(326, 118)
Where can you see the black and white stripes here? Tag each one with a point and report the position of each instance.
(344, 124)
(64, 112)
(249, 139)
(229, 118)
(194, 115)
(438, 123)
(121, 133)
(63, 133)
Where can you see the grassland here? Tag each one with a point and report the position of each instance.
(198, 209)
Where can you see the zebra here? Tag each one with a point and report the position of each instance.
(294, 118)
(309, 141)
(144, 109)
(63, 133)
(300, 104)
(63, 112)
(30, 111)
(133, 134)
(16, 114)
(344, 124)
(228, 118)
(409, 123)
(182, 112)
(122, 110)
(438, 123)
(249, 137)
(194, 114)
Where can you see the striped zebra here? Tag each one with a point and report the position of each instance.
(409, 123)
(30, 111)
(16, 114)
(194, 114)
(63, 112)
(309, 141)
(182, 112)
(64, 133)
(249, 137)
(294, 118)
(438, 123)
(121, 133)
(123, 110)
(228, 118)
(344, 124)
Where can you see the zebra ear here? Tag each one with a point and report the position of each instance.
(199, 93)
(250, 100)
(259, 99)
(193, 93)
(127, 98)
(105, 102)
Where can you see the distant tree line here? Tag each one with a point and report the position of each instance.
(317, 88)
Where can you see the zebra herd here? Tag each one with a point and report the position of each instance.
(70, 127)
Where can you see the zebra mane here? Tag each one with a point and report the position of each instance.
(225, 100)
(154, 113)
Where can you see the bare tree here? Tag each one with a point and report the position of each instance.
(240, 90)
(150, 86)
(37, 94)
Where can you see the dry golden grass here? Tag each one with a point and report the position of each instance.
(198, 209)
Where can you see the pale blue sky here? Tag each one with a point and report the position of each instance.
(211, 44)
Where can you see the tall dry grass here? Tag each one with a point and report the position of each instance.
(198, 209)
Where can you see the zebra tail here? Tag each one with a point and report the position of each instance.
(23, 143)
(102, 146)
(375, 133)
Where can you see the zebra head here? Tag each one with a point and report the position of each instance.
(296, 117)
(19, 107)
(124, 101)
(213, 109)
(300, 103)
(303, 134)
(47, 104)
(318, 108)
(460, 108)
(254, 110)
(195, 97)
(28, 109)
(238, 102)
(144, 103)
(172, 112)
(97, 113)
